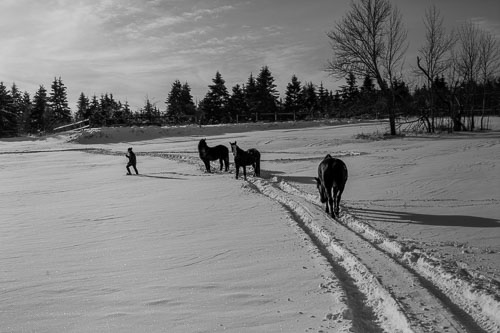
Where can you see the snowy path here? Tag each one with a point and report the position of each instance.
(383, 293)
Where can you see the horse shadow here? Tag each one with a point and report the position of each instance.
(427, 219)
(159, 177)
(307, 180)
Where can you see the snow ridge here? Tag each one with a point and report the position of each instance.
(389, 314)
(471, 295)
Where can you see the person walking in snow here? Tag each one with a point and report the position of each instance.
(132, 161)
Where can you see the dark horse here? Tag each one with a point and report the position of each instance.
(208, 154)
(332, 176)
(243, 158)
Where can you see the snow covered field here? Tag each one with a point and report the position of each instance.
(84, 248)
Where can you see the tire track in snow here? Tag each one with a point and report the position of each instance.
(475, 306)
(395, 296)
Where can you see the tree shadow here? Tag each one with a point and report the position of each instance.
(427, 219)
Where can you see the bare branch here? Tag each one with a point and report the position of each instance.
(369, 40)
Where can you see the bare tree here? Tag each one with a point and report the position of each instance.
(434, 58)
(489, 62)
(468, 53)
(370, 41)
(476, 60)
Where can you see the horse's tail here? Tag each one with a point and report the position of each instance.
(226, 158)
(257, 164)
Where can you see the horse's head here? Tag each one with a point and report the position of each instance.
(322, 191)
(234, 147)
(203, 143)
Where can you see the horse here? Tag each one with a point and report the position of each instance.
(332, 176)
(219, 152)
(243, 158)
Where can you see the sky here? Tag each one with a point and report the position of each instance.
(135, 50)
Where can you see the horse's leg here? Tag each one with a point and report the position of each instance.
(256, 168)
(331, 200)
(207, 165)
(220, 161)
(324, 190)
(339, 195)
(335, 211)
(244, 172)
(226, 163)
(237, 170)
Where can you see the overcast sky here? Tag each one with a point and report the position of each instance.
(136, 49)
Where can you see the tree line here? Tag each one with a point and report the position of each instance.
(457, 71)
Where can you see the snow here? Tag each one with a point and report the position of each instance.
(85, 248)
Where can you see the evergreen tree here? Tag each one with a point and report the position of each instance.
(150, 112)
(26, 107)
(367, 97)
(107, 107)
(174, 102)
(267, 95)
(251, 96)
(38, 113)
(238, 108)
(61, 113)
(349, 95)
(188, 107)
(309, 98)
(180, 102)
(214, 105)
(126, 113)
(16, 109)
(83, 109)
(8, 123)
(325, 102)
(95, 112)
(293, 97)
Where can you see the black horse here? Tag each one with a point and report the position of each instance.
(243, 158)
(332, 176)
(208, 154)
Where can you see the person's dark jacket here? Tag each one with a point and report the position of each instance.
(131, 158)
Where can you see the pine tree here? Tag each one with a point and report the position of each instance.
(214, 105)
(174, 102)
(309, 98)
(325, 103)
(16, 109)
(61, 113)
(237, 105)
(83, 110)
(251, 96)
(26, 107)
(150, 112)
(180, 102)
(267, 95)
(293, 97)
(95, 112)
(349, 95)
(126, 113)
(188, 107)
(8, 125)
(38, 113)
